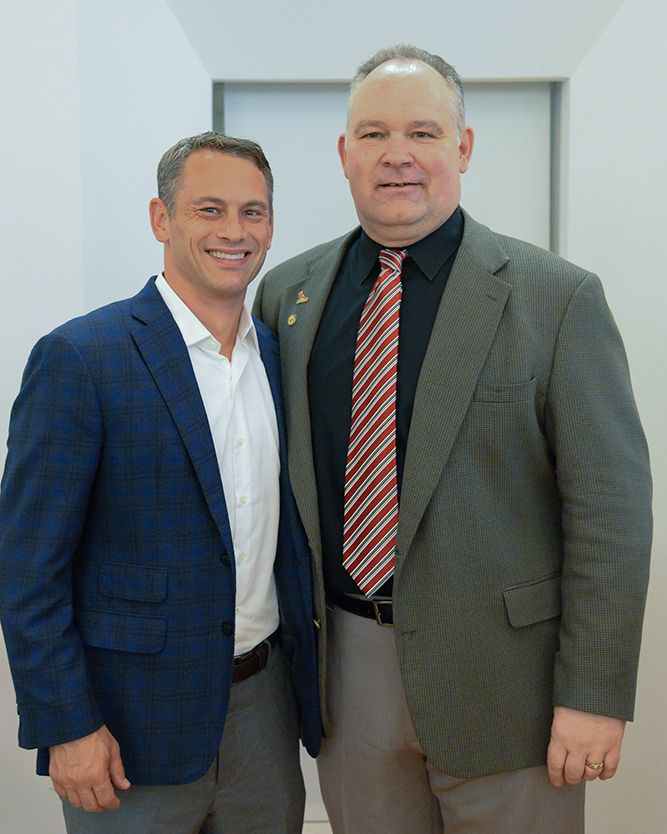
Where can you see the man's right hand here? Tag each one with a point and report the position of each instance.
(86, 770)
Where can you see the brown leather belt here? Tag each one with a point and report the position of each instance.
(380, 609)
(248, 664)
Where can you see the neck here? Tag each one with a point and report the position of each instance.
(220, 315)
(401, 236)
(224, 326)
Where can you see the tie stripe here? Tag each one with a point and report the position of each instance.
(371, 494)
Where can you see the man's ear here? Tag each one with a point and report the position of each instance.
(270, 233)
(342, 152)
(159, 219)
(465, 149)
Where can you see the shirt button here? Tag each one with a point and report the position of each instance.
(243, 499)
(239, 442)
(241, 557)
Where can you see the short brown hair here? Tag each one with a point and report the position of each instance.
(171, 165)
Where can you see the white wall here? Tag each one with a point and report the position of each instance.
(142, 89)
(616, 209)
(301, 40)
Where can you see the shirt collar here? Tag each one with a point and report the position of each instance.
(429, 253)
(193, 331)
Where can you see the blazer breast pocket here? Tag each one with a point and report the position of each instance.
(534, 603)
(121, 632)
(133, 582)
(512, 392)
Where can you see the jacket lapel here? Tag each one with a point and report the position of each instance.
(161, 345)
(463, 331)
(297, 328)
(297, 566)
(268, 348)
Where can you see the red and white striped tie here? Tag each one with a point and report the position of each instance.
(371, 493)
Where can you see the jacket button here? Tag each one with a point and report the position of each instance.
(228, 629)
(225, 559)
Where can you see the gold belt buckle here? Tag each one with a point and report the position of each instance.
(378, 613)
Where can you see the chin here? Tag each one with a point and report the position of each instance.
(403, 218)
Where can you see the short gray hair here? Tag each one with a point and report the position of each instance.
(171, 165)
(414, 53)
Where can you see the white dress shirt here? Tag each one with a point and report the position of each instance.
(242, 417)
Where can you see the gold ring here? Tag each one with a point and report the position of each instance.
(595, 765)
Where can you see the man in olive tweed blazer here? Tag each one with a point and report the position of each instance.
(524, 523)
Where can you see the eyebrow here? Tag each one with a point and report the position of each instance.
(364, 124)
(434, 127)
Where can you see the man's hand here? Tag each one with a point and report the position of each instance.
(579, 737)
(86, 771)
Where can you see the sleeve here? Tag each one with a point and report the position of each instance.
(54, 447)
(604, 481)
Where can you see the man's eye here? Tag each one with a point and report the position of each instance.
(372, 134)
(422, 134)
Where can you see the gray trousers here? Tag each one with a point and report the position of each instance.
(375, 777)
(254, 786)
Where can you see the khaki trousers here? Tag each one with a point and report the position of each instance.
(375, 777)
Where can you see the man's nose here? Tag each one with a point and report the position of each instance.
(397, 151)
(230, 227)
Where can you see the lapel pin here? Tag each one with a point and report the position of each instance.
(291, 320)
(301, 298)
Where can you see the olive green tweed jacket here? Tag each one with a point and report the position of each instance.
(524, 522)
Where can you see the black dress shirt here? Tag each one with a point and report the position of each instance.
(425, 273)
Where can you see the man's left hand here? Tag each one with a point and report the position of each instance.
(579, 737)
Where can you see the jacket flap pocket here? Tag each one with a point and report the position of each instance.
(121, 632)
(534, 603)
(506, 392)
(133, 582)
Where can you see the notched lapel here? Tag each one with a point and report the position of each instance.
(296, 341)
(303, 304)
(161, 345)
(463, 332)
(268, 348)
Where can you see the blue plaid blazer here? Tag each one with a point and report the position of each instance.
(117, 586)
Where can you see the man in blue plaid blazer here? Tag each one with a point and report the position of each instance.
(120, 568)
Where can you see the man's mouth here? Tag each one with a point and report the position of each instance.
(397, 184)
(226, 256)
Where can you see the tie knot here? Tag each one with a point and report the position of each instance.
(392, 258)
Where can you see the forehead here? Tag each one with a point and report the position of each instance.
(401, 88)
(221, 174)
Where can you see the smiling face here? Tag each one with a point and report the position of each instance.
(401, 153)
(217, 238)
